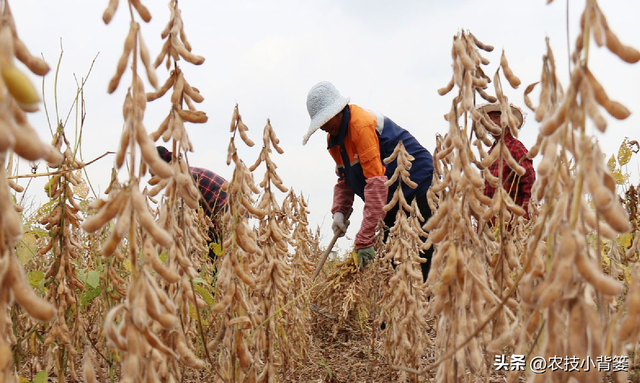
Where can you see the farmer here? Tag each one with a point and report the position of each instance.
(213, 199)
(518, 187)
(358, 140)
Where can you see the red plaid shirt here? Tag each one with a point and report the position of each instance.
(518, 187)
(214, 199)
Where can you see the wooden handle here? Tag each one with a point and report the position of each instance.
(325, 254)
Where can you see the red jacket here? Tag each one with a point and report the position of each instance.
(518, 187)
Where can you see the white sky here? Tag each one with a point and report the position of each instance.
(265, 55)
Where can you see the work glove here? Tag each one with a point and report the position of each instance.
(365, 256)
(339, 225)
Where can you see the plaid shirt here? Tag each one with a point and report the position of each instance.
(519, 187)
(214, 199)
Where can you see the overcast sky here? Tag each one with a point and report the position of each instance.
(265, 55)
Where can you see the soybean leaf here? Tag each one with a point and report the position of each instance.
(93, 278)
(41, 377)
(35, 277)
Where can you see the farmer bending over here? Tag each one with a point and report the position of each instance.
(358, 140)
(213, 199)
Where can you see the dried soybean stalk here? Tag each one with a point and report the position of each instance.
(299, 314)
(177, 46)
(237, 281)
(459, 233)
(271, 267)
(64, 244)
(20, 138)
(567, 281)
(154, 308)
(404, 308)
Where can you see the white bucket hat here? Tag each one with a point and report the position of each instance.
(323, 103)
(517, 112)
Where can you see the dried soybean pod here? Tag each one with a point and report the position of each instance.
(163, 89)
(630, 322)
(515, 166)
(244, 275)
(182, 51)
(275, 141)
(165, 272)
(146, 220)
(592, 274)
(16, 280)
(527, 100)
(234, 119)
(449, 271)
(614, 108)
(124, 145)
(491, 158)
(6, 46)
(466, 61)
(184, 182)
(479, 82)
(595, 22)
(15, 186)
(178, 88)
(577, 337)
(447, 88)
(163, 52)
(106, 213)
(616, 216)
(109, 12)
(150, 154)
(512, 206)
(197, 117)
(162, 129)
(589, 217)
(258, 213)
(548, 160)
(139, 96)
(533, 151)
(119, 230)
(157, 344)
(550, 125)
(472, 174)
(443, 153)
(166, 319)
(142, 10)
(508, 73)
(545, 92)
(489, 125)
(112, 331)
(187, 356)
(480, 44)
(7, 140)
(183, 37)
(192, 92)
(626, 53)
(589, 102)
(124, 58)
(438, 217)
(244, 136)
(88, 372)
(481, 197)
(486, 96)
(35, 64)
(467, 92)
(146, 61)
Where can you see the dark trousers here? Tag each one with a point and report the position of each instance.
(216, 239)
(423, 206)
